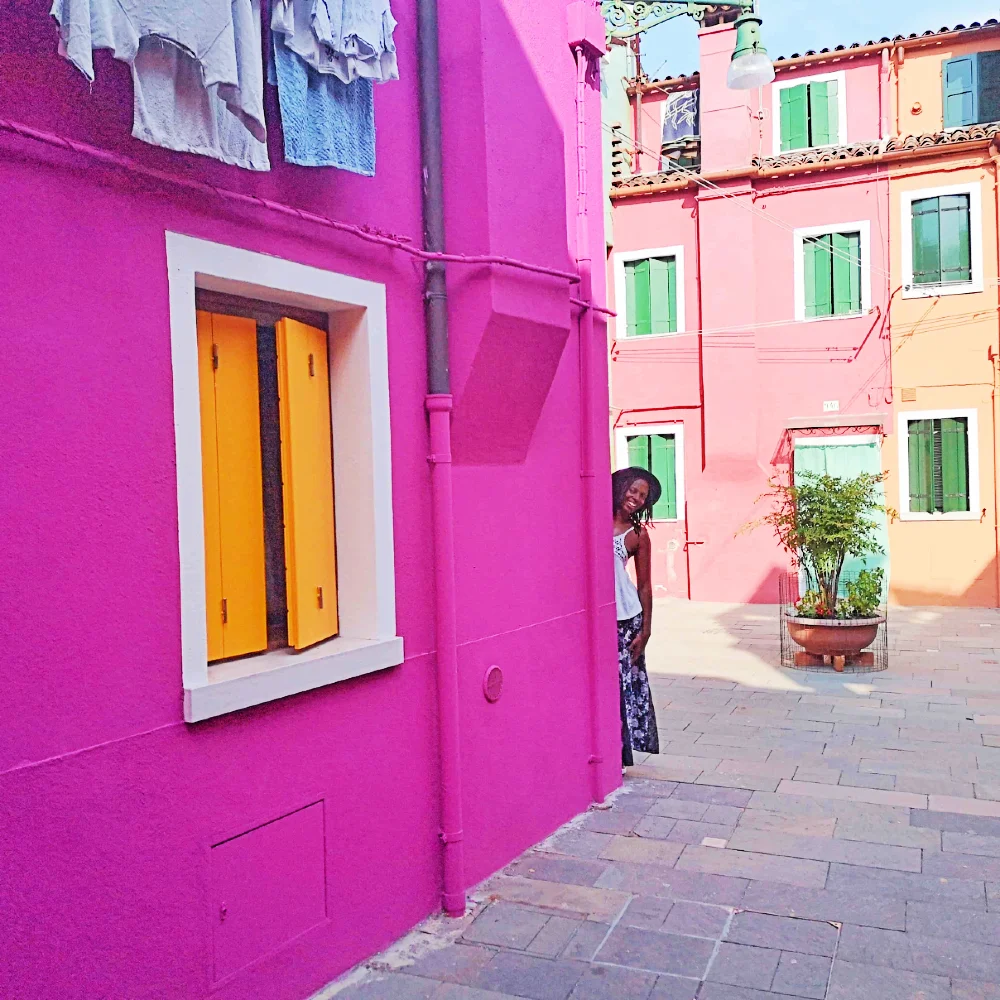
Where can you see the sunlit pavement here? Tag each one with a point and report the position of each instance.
(801, 834)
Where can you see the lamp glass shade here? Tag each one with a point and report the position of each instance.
(749, 70)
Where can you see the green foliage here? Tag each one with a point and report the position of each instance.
(820, 521)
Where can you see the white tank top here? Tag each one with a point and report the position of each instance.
(626, 596)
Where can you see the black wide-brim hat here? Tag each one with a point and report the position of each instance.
(630, 475)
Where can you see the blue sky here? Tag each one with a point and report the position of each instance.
(796, 25)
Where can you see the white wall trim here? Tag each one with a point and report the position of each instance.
(912, 291)
(359, 390)
(905, 514)
(779, 85)
(621, 320)
(801, 235)
(827, 440)
(677, 429)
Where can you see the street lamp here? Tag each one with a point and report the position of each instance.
(750, 67)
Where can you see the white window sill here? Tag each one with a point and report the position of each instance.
(255, 680)
(837, 316)
(957, 515)
(639, 338)
(934, 291)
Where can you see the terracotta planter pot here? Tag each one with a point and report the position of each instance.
(834, 636)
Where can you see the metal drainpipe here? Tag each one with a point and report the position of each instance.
(595, 526)
(439, 405)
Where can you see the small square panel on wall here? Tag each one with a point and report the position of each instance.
(268, 886)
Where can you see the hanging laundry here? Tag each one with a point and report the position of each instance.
(326, 122)
(352, 39)
(196, 70)
(680, 116)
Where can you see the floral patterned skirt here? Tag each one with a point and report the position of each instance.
(638, 718)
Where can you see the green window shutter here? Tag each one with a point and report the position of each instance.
(959, 81)
(824, 113)
(954, 436)
(846, 273)
(920, 444)
(638, 452)
(988, 79)
(794, 117)
(663, 294)
(663, 454)
(630, 299)
(956, 247)
(926, 241)
(818, 276)
(641, 311)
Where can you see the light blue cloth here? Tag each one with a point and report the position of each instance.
(326, 123)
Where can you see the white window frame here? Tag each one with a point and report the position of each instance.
(974, 513)
(622, 434)
(829, 440)
(800, 236)
(621, 320)
(359, 391)
(913, 291)
(779, 85)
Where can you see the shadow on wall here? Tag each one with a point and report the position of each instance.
(981, 593)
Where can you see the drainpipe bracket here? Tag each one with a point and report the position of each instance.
(452, 838)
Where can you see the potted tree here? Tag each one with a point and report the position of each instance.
(820, 521)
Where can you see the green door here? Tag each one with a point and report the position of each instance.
(847, 459)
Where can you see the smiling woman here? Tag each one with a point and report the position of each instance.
(635, 492)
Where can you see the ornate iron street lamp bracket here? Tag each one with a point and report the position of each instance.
(628, 18)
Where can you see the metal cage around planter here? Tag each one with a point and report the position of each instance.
(788, 597)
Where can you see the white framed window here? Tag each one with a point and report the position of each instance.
(649, 292)
(809, 111)
(941, 239)
(939, 463)
(660, 449)
(365, 639)
(833, 271)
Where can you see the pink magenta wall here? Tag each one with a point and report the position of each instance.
(754, 371)
(111, 802)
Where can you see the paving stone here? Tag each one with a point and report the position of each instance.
(952, 804)
(697, 919)
(920, 953)
(858, 779)
(530, 977)
(744, 965)
(930, 785)
(858, 907)
(655, 951)
(642, 851)
(889, 833)
(746, 864)
(673, 808)
(852, 981)
(965, 843)
(806, 826)
(606, 982)
(584, 943)
(654, 827)
(687, 831)
(873, 795)
(956, 822)
(800, 805)
(576, 843)
(964, 989)
(802, 975)
(456, 963)
(712, 795)
(505, 926)
(673, 988)
(960, 923)
(647, 912)
(827, 849)
(810, 937)
(450, 991)
(594, 904)
(904, 885)
(697, 886)
(552, 939)
(753, 782)
(613, 821)
(551, 868)
(961, 866)
(385, 986)
(628, 801)
(723, 815)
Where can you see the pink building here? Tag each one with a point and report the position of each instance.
(252, 827)
(750, 277)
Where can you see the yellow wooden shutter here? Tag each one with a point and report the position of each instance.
(307, 476)
(233, 493)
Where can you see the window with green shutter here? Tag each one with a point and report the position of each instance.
(657, 453)
(971, 86)
(651, 296)
(942, 247)
(810, 115)
(938, 453)
(832, 274)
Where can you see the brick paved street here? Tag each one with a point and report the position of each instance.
(800, 835)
